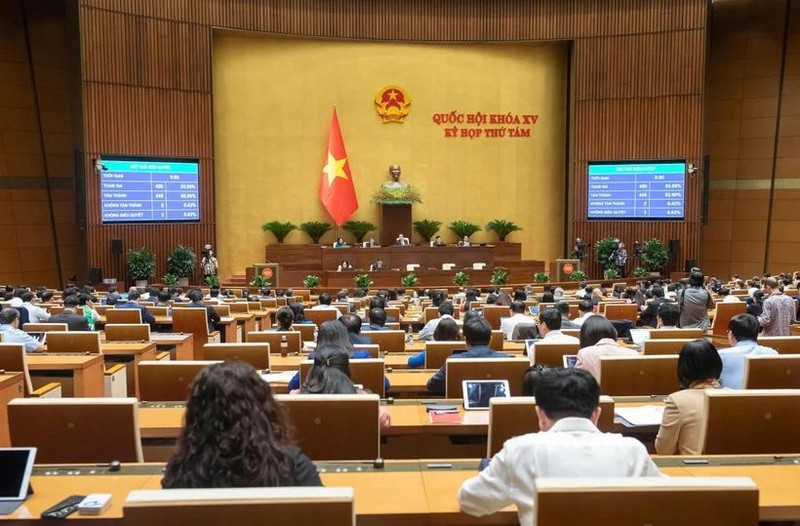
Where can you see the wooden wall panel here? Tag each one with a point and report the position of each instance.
(639, 69)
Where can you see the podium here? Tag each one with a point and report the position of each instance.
(565, 267)
(395, 220)
(271, 271)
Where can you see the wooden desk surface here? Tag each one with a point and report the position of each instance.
(62, 362)
(405, 492)
(122, 348)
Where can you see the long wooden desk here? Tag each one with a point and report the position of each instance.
(85, 372)
(130, 353)
(11, 386)
(403, 492)
(180, 345)
(229, 324)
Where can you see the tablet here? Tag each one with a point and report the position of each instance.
(477, 393)
(15, 476)
(529, 345)
(40, 337)
(534, 310)
(570, 360)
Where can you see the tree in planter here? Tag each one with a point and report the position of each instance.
(212, 281)
(611, 273)
(603, 250)
(640, 272)
(260, 282)
(541, 277)
(278, 229)
(577, 275)
(654, 255)
(181, 263)
(359, 229)
(311, 281)
(502, 228)
(461, 278)
(427, 228)
(170, 280)
(409, 280)
(499, 276)
(141, 264)
(315, 230)
(462, 228)
(363, 281)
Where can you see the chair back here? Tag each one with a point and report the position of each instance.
(256, 354)
(14, 360)
(240, 506)
(167, 380)
(639, 375)
(393, 312)
(676, 334)
(224, 311)
(304, 294)
(192, 320)
(675, 501)
(496, 340)
(373, 349)
(551, 354)
(77, 430)
(430, 313)
(437, 352)
(239, 306)
(753, 421)
(622, 311)
(335, 427)
(127, 332)
(389, 341)
(723, 314)
(158, 311)
(782, 344)
(493, 313)
(664, 346)
(268, 303)
(75, 341)
(282, 342)
(515, 416)
(320, 316)
(46, 327)
(772, 372)
(306, 331)
(366, 372)
(124, 315)
(459, 369)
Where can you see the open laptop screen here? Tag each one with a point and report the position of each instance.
(16, 465)
(477, 393)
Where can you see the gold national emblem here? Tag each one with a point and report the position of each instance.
(392, 103)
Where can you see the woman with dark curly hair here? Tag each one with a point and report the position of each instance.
(236, 435)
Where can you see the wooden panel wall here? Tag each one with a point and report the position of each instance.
(637, 84)
(38, 213)
(753, 138)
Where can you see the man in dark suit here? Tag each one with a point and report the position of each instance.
(196, 301)
(132, 303)
(70, 316)
(477, 332)
(649, 316)
(377, 320)
(352, 323)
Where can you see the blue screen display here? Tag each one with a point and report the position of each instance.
(637, 190)
(137, 190)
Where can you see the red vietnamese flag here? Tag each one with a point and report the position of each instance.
(336, 189)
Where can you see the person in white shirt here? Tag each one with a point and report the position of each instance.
(569, 445)
(517, 316)
(446, 310)
(325, 304)
(727, 297)
(36, 314)
(586, 308)
(599, 338)
(550, 330)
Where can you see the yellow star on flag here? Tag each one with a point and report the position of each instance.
(334, 168)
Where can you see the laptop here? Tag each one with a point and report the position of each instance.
(40, 337)
(639, 336)
(15, 476)
(570, 360)
(477, 393)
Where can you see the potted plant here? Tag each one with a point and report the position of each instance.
(604, 250)
(359, 229)
(611, 273)
(260, 282)
(427, 228)
(315, 230)
(212, 281)
(654, 255)
(462, 228)
(499, 276)
(502, 228)
(170, 280)
(577, 275)
(461, 278)
(181, 263)
(409, 280)
(363, 281)
(541, 277)
(278, 229)
(640, 272)
(311, 281)
(141, 265)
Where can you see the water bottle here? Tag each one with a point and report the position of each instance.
(284, 346)
(410, 335)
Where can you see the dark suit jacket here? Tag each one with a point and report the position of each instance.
(213, 317)
(75, 322)
(357, 339)
(649, 316)
(436, 383)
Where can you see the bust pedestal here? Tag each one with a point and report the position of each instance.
(395, 220)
